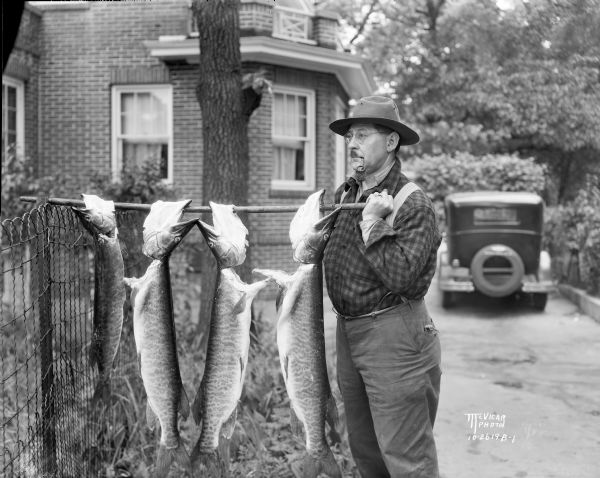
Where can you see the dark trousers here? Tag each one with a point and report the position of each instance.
(389, 374)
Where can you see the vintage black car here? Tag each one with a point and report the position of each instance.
(493, 244)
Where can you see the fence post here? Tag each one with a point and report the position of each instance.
(46, 355)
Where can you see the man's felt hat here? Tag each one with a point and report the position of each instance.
(377, 110)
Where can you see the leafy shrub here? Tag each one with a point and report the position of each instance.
(573, 233)
(445, 174)
(18, 179)
(139, 184)
(590, 261)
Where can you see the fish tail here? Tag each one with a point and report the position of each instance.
(166, 456)
(280, 277)
(329, 466)
(131, 282)
(215, 465)
(254, 288)
(311, 467)
(212, 463)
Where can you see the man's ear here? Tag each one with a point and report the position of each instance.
(392, 141)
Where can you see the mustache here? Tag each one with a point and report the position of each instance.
(354, 154)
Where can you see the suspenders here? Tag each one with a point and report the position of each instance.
(399, 199)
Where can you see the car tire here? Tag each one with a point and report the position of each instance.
(448, 299)
(510, 284)
(539, 299)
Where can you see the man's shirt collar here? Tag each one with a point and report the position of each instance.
(376, 178)
(393, 181)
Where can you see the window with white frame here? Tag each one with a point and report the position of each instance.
(142, 128)
(293, 139)
(13, 116)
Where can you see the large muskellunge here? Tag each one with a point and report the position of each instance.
(300, 337)
(228, 342)
(98, 217)
(154, 331)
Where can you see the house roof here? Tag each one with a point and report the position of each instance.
(353, 72)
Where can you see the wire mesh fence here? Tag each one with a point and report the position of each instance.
(49, 426)
(46, 303)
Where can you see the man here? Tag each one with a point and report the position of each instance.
(378, 266)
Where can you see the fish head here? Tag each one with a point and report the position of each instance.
(309, 232)
(163, 229)
(98, 215)
(226, 238)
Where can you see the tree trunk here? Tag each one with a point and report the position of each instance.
(224, 126)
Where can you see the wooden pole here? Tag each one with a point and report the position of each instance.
(197, 209)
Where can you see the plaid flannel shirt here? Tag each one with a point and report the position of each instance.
(396, 263)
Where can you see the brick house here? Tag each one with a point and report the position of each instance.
(94, 86)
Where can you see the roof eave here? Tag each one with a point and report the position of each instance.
(354, 73)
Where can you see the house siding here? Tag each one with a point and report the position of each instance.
(256, 17)
(84, 51)
(81, 49)
(188, 145)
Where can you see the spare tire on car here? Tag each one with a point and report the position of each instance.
(497, 270)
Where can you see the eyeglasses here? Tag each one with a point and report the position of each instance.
(360, 136)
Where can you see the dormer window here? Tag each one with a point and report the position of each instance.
(292, 19)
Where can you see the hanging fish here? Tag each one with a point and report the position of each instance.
(154, 331)
(98, 217)
(216, 402)
(300, 337)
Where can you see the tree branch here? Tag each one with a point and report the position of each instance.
(432, 13)
(364, 21)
